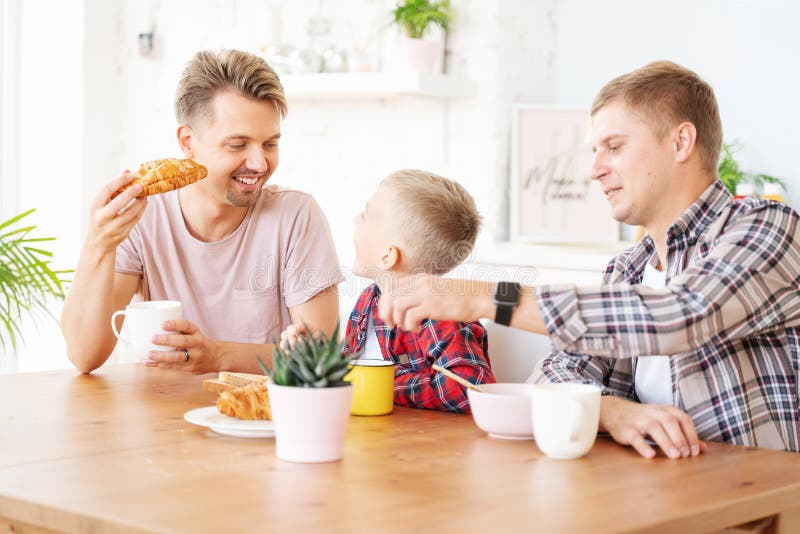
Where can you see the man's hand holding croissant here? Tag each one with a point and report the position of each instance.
(119, 206)
(112, 217)
(162, 175)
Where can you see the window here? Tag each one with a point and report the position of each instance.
(3, 104)
(9, 67)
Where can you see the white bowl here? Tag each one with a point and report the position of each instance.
(503, 410)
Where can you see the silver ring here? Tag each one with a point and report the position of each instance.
(185, 355)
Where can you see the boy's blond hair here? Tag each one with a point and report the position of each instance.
(209, 73)
(436, 217)
(666, 94)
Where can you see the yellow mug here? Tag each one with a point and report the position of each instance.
(373, 387)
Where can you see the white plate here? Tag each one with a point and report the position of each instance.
(230, 426)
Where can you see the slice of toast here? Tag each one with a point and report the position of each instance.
(227, 381)
(241, 379)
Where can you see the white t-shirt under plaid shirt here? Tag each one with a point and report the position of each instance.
(728, 317)
(651, 377)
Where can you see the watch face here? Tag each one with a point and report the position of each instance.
(507, 293)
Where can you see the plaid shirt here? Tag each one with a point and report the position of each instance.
(458, 347)
(728, 317)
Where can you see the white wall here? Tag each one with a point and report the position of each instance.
(340, 149)
(746, 49)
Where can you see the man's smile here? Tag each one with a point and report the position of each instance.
(611, 192)
(247, 179)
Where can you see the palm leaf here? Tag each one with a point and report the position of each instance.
(13, 220)
(27, 281)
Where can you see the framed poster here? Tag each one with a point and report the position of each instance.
(553, 198)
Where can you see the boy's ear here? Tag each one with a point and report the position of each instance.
(185, 138)
(390, 258)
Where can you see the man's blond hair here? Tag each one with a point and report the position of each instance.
(209, 73)
(437, 218)
(667, 94)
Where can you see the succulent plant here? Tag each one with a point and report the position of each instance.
(315, 361)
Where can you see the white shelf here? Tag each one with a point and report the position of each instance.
(592, 258)
(376, 85)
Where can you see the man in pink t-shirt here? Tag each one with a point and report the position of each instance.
(245, 260)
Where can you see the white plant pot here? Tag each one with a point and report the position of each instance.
(421, 55)
(403, 54)
(310, 423)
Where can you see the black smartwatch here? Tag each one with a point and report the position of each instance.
(506, 298)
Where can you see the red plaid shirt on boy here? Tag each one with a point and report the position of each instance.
(458, 347)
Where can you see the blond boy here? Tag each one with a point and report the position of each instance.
(416, 222)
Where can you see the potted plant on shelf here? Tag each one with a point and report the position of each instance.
(417, 19)
(309, 399)
(26, 280)
(729, 172)
(733, 177)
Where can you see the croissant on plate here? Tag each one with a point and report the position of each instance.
(245, 402)
(162, 175)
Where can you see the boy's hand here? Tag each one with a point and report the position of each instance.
(293, 333)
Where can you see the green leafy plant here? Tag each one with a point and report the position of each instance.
(761, 179)
(414, 16)
(731, 174)
(315, 361)
(26, 279)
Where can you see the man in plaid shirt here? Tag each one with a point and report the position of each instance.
(694, 332)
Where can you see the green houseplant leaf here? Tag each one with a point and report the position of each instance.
(761, 179)
(26, 279)
(731, 174)
(415, 16)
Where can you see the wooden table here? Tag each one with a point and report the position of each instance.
(110, 452)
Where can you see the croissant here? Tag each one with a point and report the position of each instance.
(162, 175)
(245, 402)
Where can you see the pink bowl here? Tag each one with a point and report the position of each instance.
(503, 410)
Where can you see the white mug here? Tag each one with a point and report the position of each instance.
(143, 320)
(565, 418)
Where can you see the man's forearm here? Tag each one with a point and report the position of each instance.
(526, 316)
(87, 309)
(241, 357)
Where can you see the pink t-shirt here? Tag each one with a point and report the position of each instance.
(240, 288)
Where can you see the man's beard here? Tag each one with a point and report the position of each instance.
(243, 201)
